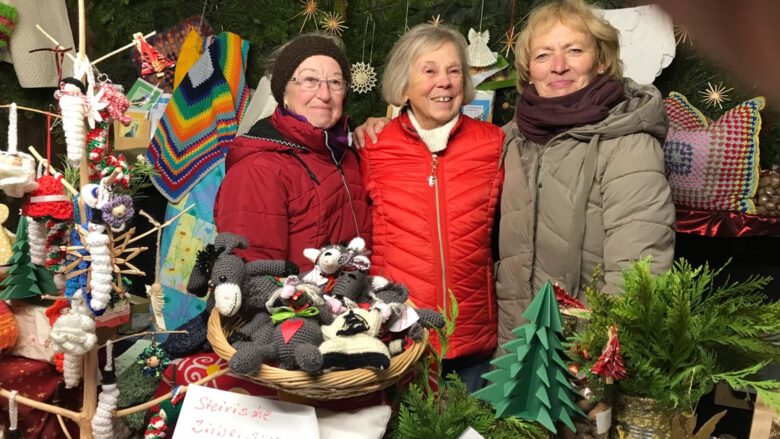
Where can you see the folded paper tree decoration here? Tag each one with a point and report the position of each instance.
(532, 380)
(25, 280)
(713, 165)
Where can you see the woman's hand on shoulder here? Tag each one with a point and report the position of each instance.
(371, 128)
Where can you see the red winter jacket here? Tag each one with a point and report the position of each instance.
(437, 237)
(285, 190)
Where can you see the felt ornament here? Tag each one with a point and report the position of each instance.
(8, 328)
(8, 16)
(610, 363)
(73, 108)
(153, 361)
(479, 53)
(102, 422)
(152, 61)
(74, 335)
(17, 169)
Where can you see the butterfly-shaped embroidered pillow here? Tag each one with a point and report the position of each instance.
(713, 165)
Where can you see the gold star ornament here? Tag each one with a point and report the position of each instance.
(333, 23)
(715, 95)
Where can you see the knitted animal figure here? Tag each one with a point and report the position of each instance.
(253, 340)
(297, 313)
(351, 341)
(330, 259)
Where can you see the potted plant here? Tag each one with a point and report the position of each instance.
(680, 334)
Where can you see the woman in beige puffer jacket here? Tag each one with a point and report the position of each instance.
(577, 195)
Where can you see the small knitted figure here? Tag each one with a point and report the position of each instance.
(351, 341)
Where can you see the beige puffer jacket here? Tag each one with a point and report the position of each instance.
(596, 194)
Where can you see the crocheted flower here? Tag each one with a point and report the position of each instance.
(118, 211)
(153, 361)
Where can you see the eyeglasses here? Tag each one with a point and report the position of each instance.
(311, 83)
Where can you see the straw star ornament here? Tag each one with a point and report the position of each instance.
(333, 23)
(716, 95)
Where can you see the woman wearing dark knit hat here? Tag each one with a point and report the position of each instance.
(292, 181)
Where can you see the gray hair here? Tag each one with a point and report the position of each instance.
(420, 40)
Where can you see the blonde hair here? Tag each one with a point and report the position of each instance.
(420, 40)
(578, 16)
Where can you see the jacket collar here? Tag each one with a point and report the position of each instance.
(409, 130)
(297, 130)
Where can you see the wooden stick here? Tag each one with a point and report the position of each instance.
(141, 334)
(65, 183)
(63, 427)
(125, 47)
(163, 225)
(48, 408)
(19, 107)
(53, 40)
(167, 396)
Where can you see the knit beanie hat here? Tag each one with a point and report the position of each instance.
(296, 51)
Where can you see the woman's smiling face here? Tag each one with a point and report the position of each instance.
(435, 90)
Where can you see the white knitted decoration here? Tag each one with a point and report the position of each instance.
(36, 234)
(74, 335)
(13, 411)
(101, 269)
(74, 109)
(102, 422)
(17, 169)
(13, 135)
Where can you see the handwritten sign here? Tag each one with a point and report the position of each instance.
(212, 413)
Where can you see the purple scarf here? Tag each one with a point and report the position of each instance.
(540, 119)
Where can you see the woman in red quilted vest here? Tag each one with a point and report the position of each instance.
(434, 179)
(292, 181)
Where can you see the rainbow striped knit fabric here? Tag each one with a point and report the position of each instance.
(201, 118)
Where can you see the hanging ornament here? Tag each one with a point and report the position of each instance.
(17, 169)
(157, 427)
(436, 21)
(681, 35)
(308, 12)
(117, 102)
(102, 422)
(97, 148)
(564, 299)
(97, 244)
(74, 335)
(157, 301)
(56, 238)
(508, 43)
(73, 109)
(112, 162)
(152, 61)
(610, 363)
(36, 236)
(153, 361)
(363, 74)
(479, 53)
(333, 23)
(53, 313)
(118, 211)
(715, 95)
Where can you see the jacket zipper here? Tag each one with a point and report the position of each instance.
(536, 218)
(344, 183)
(433, 181)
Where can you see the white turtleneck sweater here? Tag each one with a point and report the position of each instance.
(435, 139)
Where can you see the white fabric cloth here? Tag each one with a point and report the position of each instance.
(647, 43)
(435, 139)
(38, 69)
(261, 104)
(366, 423)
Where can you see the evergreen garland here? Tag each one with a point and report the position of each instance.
(681, 333)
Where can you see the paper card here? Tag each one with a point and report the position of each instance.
(604, 421)
(481, 108)
(209, 413)
(470, 433)
(143, 95)
(136, 134)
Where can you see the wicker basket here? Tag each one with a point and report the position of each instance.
(324, 386)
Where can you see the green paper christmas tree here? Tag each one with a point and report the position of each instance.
(25, 280)
(532, 380)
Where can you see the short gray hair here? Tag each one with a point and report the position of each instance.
(420, 40)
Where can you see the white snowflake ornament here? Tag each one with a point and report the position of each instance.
(363, 77)
(480, 54)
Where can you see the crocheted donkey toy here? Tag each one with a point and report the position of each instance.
(253, 341)
(297, 311)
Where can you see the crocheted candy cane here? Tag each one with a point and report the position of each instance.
(36, 234)
(157, 426)
(74, 110)
(13, 412)
(102, 422)
(74, 335)
(56, 237)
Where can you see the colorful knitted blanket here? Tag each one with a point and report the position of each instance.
(201, 118)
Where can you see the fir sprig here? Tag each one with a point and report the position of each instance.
(681, 333)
